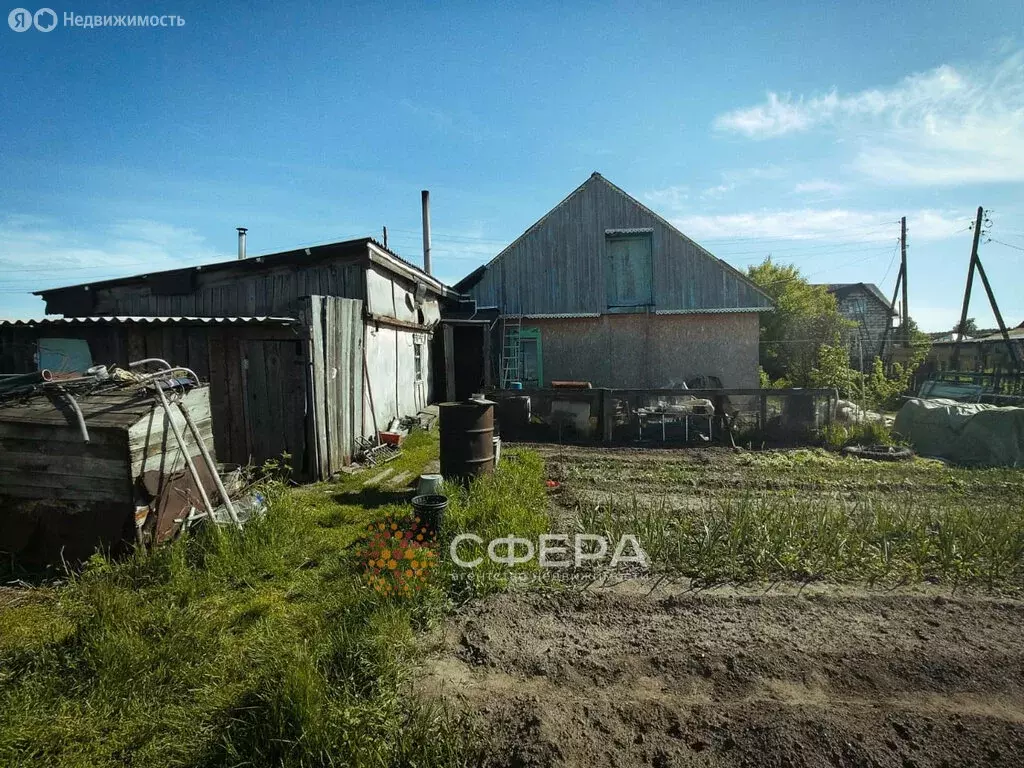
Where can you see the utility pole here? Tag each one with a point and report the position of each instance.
(901, 282)
(903, 273)
(958, 332)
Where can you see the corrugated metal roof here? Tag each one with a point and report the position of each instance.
(561, 315)
(629, 231)
(295, 256)
(842, 289)
(132, 320)
(712, 311)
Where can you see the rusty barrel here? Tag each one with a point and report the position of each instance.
(467, 439)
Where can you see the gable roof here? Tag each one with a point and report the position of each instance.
(842, 290)
(476, 275)
(298, 257)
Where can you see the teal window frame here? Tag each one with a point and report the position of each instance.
(614, 301)
(532, 334)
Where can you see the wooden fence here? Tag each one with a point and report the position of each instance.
(277, 386)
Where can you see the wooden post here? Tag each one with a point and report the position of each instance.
(449, 362)
(905, 309)
(999, 315)
(607, 415)
(958, 332)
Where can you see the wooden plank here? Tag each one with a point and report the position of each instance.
(155, 343)
(275, 383)
(346, 318)
(330, 342)
(378, 477)
(70, 479)
(31, 488)
(45, 446)
(220, 413)
(198, 353)
(314, 321)
(449, 362)
(257, 405)
(292, 393)
(136, 345)
(356, 379)
(65, 465)
(236, 410)
(44, 433)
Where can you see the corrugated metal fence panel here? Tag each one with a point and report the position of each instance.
(560, 265)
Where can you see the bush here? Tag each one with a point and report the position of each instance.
(837, 436)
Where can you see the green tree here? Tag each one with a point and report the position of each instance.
(805, 318)
(970, 327)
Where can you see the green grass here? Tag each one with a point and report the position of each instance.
(259, 648)
(809, 514)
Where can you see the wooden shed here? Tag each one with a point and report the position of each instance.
(62, 496)
(306, 351)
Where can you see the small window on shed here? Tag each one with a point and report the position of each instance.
(64, 355)
(417, 357)
(629, 268)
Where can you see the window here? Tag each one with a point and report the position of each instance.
(859, 306)
(532, 373)
(628, 268)
(64, 355)
(417, 358)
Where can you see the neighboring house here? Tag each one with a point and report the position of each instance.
(305, 350)
(865, 305)
(604, 290)
(986, 352)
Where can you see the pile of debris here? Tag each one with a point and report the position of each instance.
(109, 458)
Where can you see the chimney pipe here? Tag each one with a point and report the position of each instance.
(385, 237)
(426, 230)
(241, 241)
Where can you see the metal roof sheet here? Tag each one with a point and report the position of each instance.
(133, 320)
(712, 311)
(294, 256)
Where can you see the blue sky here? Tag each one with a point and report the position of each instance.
(804, 130)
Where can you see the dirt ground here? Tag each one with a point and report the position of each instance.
(788, 676)
(620, 678)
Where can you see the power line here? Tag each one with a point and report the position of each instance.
(1008, 245)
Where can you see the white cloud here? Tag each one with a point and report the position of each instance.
(818, 186)
(833, 225)
(945, 126)
(777, 117)
(37, 253)
(718, 191)
(669, 197)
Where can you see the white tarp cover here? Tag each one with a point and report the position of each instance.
(973, 434)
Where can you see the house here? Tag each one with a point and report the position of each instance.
(604, 290)
(986, 352)
(866, 306)
(306, 351)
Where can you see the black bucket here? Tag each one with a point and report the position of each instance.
(430, 509)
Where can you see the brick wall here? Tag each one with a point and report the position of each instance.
(650, 351)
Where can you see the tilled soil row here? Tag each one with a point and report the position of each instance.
(618, 677)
